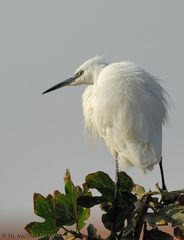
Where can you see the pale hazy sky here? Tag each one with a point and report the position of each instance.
(42, 43)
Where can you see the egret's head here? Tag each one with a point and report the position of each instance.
(85, 74)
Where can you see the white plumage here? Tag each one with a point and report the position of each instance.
(126, 107)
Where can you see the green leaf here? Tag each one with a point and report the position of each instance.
(42, 229)
(125, 182)
(89, 201)
(60, 209)
(64, 212)
(92, 233)
(138, 190)
(121, 215)
(68, 211)
(170, 197)
(71, 192)
(135, 217)
(154, 219)
(50, 201)
(43, 207)
(126, 199)
(156, 234)
(103, 183)
(83, 215)
(173, 213)
(106, 186)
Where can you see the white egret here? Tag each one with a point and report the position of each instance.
(126, 107)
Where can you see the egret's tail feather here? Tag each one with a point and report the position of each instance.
(137, 154)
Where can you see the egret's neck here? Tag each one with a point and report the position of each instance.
(97, 69)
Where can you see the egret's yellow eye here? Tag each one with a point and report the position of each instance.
(80, 73)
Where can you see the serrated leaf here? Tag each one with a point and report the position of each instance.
(103, 183)
(42, 229)
(60, 209)
(126, 199)
(89, 201)
(106, 186)
(156, 234)
(50, 201)
(63, 210)
(129, 229)
(121, 215)
(173, 213)
(92, 233)
(83, 215)
(68, 211)
(71, 191)
(153, 219)
(125, 182)
(43, 207)
(138, 190)
(171, 196)
(134, 218)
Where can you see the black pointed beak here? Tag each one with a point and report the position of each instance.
(62, 84)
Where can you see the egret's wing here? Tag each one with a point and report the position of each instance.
(129, 108)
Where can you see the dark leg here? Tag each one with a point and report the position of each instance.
(117, 170)
(116, 197)
(162, 176)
